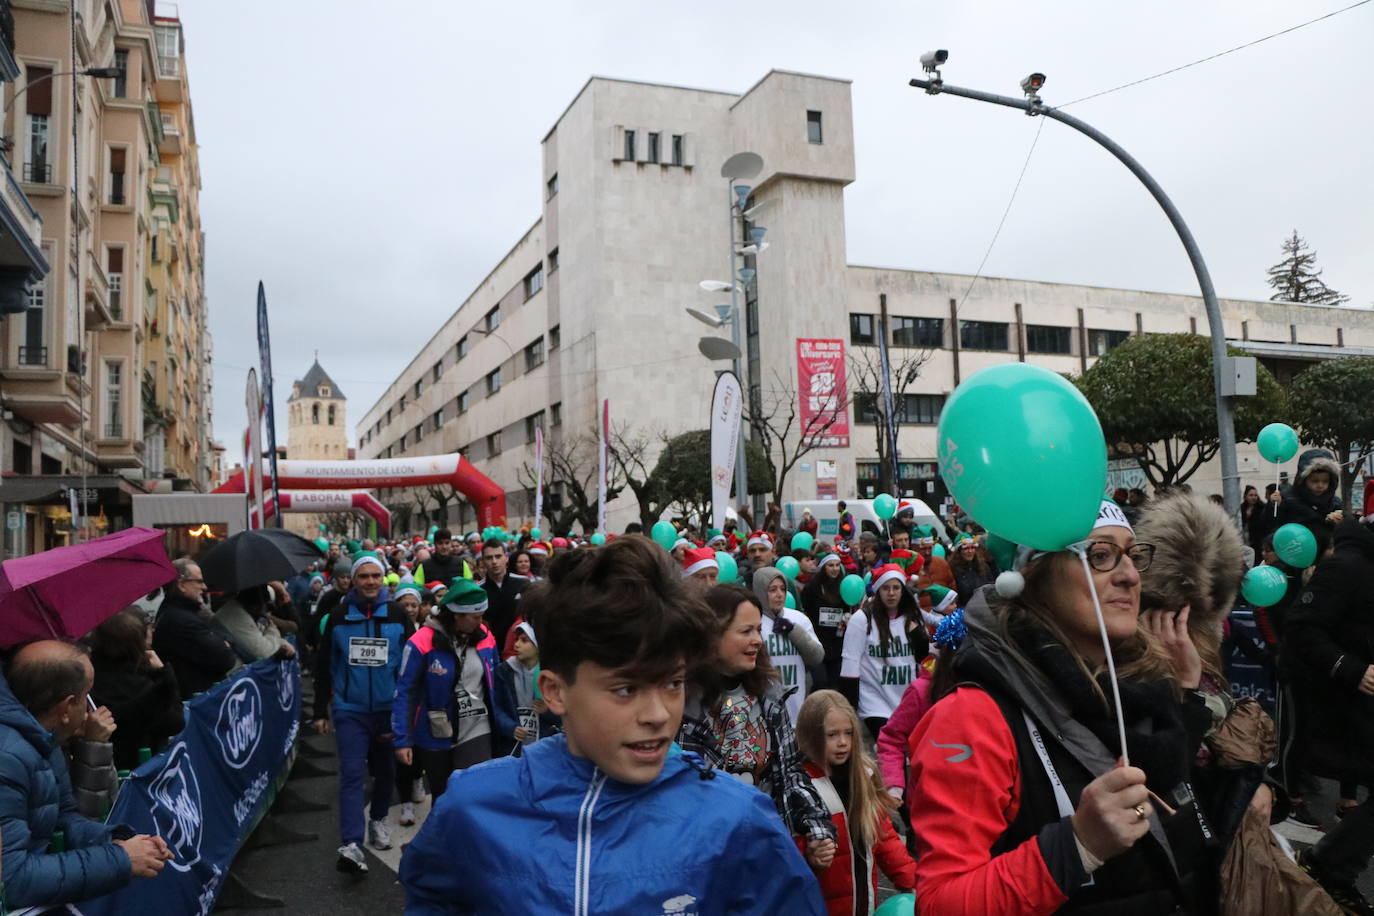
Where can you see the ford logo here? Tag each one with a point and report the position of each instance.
(239, 726)
(287, 673)
(176, 807)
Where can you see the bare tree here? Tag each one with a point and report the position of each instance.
(572, 466)
(866, 384)
(629, 452)
(777, 425)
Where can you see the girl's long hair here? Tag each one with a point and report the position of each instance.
(910, 612)
(723, 601)
(868, 799)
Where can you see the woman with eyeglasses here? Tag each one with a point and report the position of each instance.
(1021, 803)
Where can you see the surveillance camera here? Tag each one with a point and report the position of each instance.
(1031, 84)
(932, 59)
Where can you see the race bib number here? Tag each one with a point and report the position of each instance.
(469, 706)
(529, 721)
(367, 651)
(832, 616)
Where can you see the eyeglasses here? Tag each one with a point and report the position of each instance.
(1104, 556)
(198, 581)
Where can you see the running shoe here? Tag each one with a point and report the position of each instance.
(408, 814)
(351, 859)
(378, 835)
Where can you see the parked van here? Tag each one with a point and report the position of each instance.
(826, 512)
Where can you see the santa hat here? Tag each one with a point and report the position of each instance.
(888, 572)
(539, 549)
(759, 537)
(909, 561)
(560, 543)
(697, 559)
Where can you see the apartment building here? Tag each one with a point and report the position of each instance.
(588, 305)
(104, 379)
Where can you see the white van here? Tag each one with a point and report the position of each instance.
(826, 512)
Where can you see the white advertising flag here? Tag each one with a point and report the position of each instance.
(726, 404)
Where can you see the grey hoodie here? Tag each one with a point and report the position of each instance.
(808, 646)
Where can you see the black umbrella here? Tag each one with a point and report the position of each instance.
(256, 557)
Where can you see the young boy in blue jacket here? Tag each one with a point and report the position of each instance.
(599, 819)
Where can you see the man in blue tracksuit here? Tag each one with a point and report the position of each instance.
(360, 654)
(600, 819)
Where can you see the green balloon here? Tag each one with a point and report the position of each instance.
(900, 905)
(664, 534)
(1295, 545)
(1277, 442)
(1016, 423)
(535, 533)
(597, 539)
(323, 544)
(938, 550)
(788, 567)
(885, 505)
(789, 601)
(852, 590)
(802, 540)
(1264, 586)
(1002, 550)
(728, 574)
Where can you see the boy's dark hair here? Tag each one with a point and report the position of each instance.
(494, 542)
(634, 528)
(622, 606)
(841, 506)
(723, 601)
(443, 534)
(802, 554)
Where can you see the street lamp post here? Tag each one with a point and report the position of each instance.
(1032, 106)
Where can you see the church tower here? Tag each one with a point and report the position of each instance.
(316, 418)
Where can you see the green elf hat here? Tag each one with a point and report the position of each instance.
(964, 539)
(923, 535)
(905, 559)
(408, 588)
(941, 599)
(464, 597)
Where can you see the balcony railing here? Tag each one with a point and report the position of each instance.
(168, 67)
(114, 430)
(117, 198)
(33, 356)
(40, 172)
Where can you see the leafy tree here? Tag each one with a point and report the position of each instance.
(1155, 398)
(1294, 279)
(1331, 408)
(683, 472)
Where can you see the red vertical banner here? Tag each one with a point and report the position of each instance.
(822, 390)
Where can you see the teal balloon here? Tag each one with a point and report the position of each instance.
(802, 541)
(665, 535)
(1022, 452)
(790, 601)
(728, 574)
(1264, 586)
(597, 539)
(900, 905)
(885, 505)
(868, 577)
(323, 544)
(1295, 545)
(536, 533)
(1277, 442)
(1002, 550)
(938, 550)
(788, 567)
(852, 590)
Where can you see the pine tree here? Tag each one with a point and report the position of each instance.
(1295, 280)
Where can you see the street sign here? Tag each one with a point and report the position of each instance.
(14, 520)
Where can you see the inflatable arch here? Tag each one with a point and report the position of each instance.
(296, 474)
(359, 501)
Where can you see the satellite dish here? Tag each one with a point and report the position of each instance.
(717, 348)
(704, 318)
(742, 165)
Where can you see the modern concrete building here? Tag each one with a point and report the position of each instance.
(589, 304)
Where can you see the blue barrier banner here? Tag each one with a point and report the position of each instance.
(206, 792)
(1249, 678)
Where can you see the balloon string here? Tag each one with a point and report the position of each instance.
(1278, 478)
(1107, 646)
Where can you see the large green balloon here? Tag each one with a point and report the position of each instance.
(884, 505)
(789, 601)
(597, 539)
(1295, 545)
(728, 574)
(788, 567)
(900, 905)
(1002, 550)
(323, 544)
(802, 541)
(1022, 452)
(938, 550)
(1264, 586)
(852, 590)
(1277, 442)
(665, 535)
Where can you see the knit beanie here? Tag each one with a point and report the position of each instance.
(363, 559)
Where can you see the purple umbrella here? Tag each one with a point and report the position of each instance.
(66, 592)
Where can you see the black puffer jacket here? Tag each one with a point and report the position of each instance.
(1300, 505)
(1329, 644)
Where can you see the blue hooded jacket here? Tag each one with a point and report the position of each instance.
(352, 667)
(428, 675)
(549, 832)
(36, 800)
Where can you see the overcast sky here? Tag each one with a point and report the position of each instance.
(372, 161)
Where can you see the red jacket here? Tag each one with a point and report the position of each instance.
(888, 853)
(968, 786)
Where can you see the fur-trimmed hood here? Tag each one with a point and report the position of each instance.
(1318, 459)
(1199, 558)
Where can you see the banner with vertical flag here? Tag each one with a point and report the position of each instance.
(538, 474)
(252, 466)
(268, 405)
(601, 465)
(727, 402)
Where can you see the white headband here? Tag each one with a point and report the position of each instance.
(699, 565)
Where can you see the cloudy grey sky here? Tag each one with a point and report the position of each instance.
(371, 161)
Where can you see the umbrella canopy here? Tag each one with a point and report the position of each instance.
(256, 557)
(65, 592)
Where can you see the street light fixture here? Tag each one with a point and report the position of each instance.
(706, 319)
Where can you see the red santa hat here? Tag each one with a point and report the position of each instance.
(759, 537)
(697, 559)
(539, 549)
(888, 572)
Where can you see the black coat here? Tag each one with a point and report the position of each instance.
(199, 654)
(1302, 507)
(146, 706)
(501, 604)
(1329, 634)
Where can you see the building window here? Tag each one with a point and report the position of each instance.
(813, 127)
(628, 152)
(38, 104)
(983, 335)
(494, 444)
(1100, 342)
(119, 86)
(555, 337)
(493, 382)
(462, 346)
(533, 422)
(418, 389)
(492, 321)
(534, 281)
(114, 400)
(401, 405)
(552, 185)
(331, 414)
(419, 433)
(922, 409)
(918, 332)
(388, 416)
(677, 149)
(861, 330)
(1042, 338)
(168, 50)
(438, 419)
(556, 414)
(437, 371)
(534, 355)
(401, 445)
(653, 148)
(34, 352)
(553, 261)
(114, 275)
(463, 402)
(117, 157)
(315, 414)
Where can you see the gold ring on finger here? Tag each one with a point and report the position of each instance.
(1139, 812)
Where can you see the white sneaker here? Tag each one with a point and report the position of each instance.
(418, 793)
(351, 859)
(378, 835)
(408, 814)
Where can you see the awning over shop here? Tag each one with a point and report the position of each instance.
(51, 489)
(162, 509)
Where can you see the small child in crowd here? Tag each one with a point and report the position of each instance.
(521, 713)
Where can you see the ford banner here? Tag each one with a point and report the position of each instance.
(206, 792)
